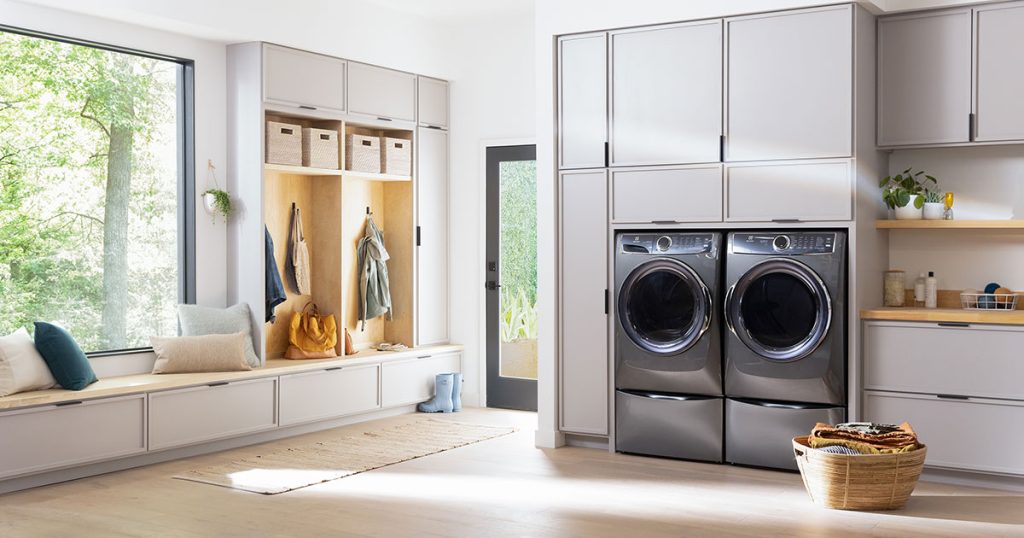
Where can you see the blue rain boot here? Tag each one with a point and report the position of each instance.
(442, 402)
(456, 392)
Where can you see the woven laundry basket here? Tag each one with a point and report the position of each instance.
(396, 156)
(860, 481)
(320, 148)
(362, 153)
(284, 143)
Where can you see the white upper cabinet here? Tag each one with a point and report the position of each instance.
(666, 94)
(432, 237)
(303, 79)
(433, 102)
(381, 93)
(582, 101)
(779, 191)
(924, 78)
(999, 79)
(790, 85)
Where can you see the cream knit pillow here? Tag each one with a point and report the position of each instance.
(193, 354)
(22, 368)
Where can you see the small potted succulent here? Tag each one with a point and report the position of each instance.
(904, 193)
(934, 207)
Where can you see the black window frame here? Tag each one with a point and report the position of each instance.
(186, 188)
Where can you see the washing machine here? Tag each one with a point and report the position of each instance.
(668, 374)
(785, 352)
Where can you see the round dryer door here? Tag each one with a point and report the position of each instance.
(664, 307)
(780, 309)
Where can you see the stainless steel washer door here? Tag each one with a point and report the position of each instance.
(664, 307)
(780, 309)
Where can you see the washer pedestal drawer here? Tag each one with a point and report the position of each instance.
(761, 433)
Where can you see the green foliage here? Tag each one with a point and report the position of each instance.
(898, 190)
(221, 202)
(518, 250)
(932, 196)
(518, 316)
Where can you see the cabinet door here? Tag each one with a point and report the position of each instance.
(381, 93)
(216, 411)
(54, 436)
(303, 79)
(329, 393)
(666, 94)
(924, 78)
(433, 102)
(432, 229)
(800, 191)
(583, 321)
(790, 85)
(412, 381)
(999, 79)
(582, 101)
(689, 194)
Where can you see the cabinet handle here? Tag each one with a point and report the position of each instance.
(418, 237)
(72, 402)
(785, 221)
(721, 148)
(307, 107)
(952, 397)
(332, 368)
(437, 127)
(381, 118)
(970, 127)
(606, 301)
(606, 154)
(664, 221)
(953, 324)
(217, 384)
(424, 356)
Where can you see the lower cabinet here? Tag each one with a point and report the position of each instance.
(681, 194)
(328, 393)
(219, 410)
(74, 433)
(412, 381)
(814, 190)
(961, 433)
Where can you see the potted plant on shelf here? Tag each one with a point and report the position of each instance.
(904, 193)
(934, 208)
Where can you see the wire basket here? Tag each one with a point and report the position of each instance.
(988, 301)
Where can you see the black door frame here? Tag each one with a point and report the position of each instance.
(502, 392)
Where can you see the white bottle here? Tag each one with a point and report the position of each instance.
(931, 291)
(919, 291)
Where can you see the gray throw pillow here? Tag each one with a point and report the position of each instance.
(198, 320)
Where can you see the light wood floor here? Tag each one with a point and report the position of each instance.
(501, 487)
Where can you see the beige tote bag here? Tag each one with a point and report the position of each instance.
(300, 255)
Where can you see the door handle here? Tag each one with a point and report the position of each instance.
(491, 285)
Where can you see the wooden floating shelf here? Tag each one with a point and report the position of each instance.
(948, 315)
(370, 176)
(892, 224)
(301, 170)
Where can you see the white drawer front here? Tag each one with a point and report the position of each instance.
(812, 190)
(979, 435)
(982, 361)
(376, 91)
(328, 393)
(412, 381)
(299, 78)
(51, 437)
(673, 194)
(193, 415)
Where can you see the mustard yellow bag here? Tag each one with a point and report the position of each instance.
(312, 332)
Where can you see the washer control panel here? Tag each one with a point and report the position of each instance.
(789, 243)
(666, 243)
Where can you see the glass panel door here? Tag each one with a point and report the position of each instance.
(511, 277)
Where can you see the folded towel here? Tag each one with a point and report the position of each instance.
(865, 438)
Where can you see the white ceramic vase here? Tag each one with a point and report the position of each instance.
(909, 212)
(209, 202)
(934, 210)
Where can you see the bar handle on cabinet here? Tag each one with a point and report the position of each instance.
(418, 236)
(971, 130)
(307, 107)
(424, 356)
(721, 148)
(332, 368)
(785, 221)
(664, 221)
(217, 384)
(953, 324)
(606, 301)
(952, 397)
(72, 402)
(607, 157)
(381, 118)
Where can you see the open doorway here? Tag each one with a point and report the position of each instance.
(511, 277)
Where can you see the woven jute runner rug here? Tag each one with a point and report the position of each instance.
(295, 467)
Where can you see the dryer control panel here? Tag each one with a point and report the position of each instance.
(666, 243)
(789, 243)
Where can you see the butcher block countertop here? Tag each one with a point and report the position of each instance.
(945, 315)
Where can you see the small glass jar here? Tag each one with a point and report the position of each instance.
(895, 282)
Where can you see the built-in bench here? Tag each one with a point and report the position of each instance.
(120, 422)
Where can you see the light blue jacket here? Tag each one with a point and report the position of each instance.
(374, 290)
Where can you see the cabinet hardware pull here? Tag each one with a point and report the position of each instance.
(381, 118)
(606, 301)
(664, 221)
(424, 356)
(785, 221)
(332, 368)
(437, 127)
(606, 155)
(721, 148)
(307, 107)
(418, 237)
(72, 402)
(217, 384)
(971, 134)
(953, 324)
(952, 397)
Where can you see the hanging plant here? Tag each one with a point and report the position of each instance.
(216, 200)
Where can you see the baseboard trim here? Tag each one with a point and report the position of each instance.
(141, 460)
(973, 479)
(586, 441)
(548, 439)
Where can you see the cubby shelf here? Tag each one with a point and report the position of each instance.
(370, 176)
(890, 224)
(301, 170)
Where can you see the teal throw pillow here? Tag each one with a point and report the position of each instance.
(65, 359)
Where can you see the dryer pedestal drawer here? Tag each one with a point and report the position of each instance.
(972, 434)
(761, 433)
(687, 427)
(51, 437)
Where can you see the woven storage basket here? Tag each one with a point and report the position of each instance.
(320, 148)
(858, 482)
(362, 153)
(284, 143)
(396, 156)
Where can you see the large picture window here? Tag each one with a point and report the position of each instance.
(95, 152)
